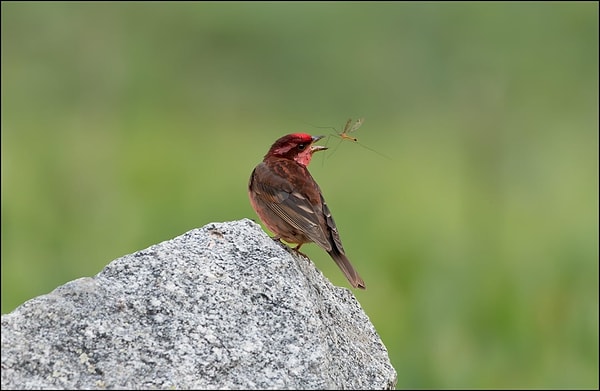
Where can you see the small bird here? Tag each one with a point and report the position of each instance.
(289, 202)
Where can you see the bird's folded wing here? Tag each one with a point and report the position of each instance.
(294, 208)
(337, 242)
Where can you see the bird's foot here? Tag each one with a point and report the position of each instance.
(297, 250)
(291, 250)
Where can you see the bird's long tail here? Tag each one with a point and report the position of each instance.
(344, 264)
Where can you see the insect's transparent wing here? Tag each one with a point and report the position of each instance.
(356, 125)
(347, 126)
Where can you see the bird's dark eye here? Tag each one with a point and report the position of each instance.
(301, 146)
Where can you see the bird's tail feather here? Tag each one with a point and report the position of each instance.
(344, 264)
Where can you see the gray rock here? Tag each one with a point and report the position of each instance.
(223, 306)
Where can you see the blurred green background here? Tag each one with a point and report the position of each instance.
(124, 125)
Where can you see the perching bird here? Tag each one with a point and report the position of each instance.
(289, 202)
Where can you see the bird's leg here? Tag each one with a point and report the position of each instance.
(297, 250)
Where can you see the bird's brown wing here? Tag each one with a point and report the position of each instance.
(285, 200)
(337, 242)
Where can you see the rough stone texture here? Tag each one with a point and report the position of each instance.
(223, 306)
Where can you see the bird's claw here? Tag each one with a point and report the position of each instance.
(297, 251)
(292, 250)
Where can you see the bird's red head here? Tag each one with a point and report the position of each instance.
(296, 146)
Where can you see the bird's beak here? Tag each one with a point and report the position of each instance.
(316, 148)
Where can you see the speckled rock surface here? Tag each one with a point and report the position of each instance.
(223, 306)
